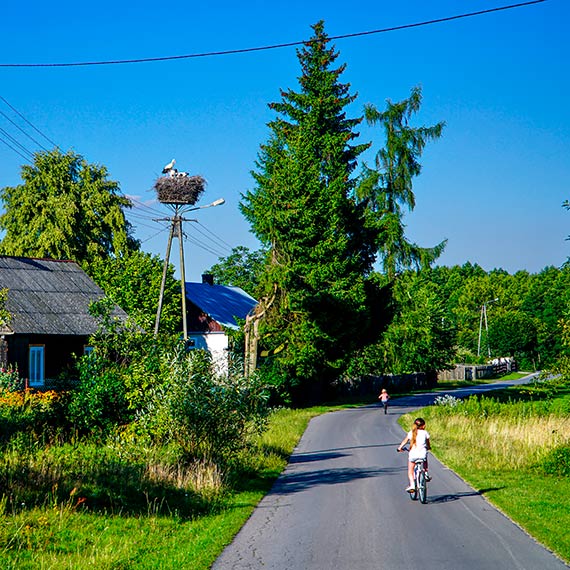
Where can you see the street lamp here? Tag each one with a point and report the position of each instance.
(176, 229)
(484, 316)
(217, 202)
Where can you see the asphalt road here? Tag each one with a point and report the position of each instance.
(340, 504)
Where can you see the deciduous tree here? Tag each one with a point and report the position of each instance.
(133, 282)
(65, 208)
(242, 268)
(388, 187)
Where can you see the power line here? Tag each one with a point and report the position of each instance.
(144, 207)
(15, 150)
(218, 241)
(14, 141)
(144, 212)
(138, 224)
(202, 245)
(210, 243)
(275, 46)
(162, 230)
(23, 131)
(28, 122)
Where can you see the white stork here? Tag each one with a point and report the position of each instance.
(169, 167)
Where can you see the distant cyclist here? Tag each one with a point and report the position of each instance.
(384, 397)
(419, 446)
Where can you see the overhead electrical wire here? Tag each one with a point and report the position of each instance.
(13, 143)
(216, 243)
(15, 150)
(18, 144)
(139, 223)
(202, 245)
(29, 123)
(276, 46)
(153, 235)
(217, 246)
(23, 131)
(219, 239)
(144, 207)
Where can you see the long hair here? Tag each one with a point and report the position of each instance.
(418, 422)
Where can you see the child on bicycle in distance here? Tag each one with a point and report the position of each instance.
(419, 446)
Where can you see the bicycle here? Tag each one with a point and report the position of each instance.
(420, 481)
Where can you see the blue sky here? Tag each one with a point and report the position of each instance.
(493, 185)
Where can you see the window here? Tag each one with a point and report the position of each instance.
(36, 364)
(87, 349)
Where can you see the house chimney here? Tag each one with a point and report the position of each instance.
(207, 279)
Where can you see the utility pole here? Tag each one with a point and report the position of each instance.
(179, 191)
(484, 316)
(176, 231)
(163, 282)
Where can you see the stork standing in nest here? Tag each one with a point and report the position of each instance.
(169, 168)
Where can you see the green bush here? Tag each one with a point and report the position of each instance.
(99, 402)
(557, 462)
(207, 415)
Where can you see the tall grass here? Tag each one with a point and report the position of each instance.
(93, 505)
(515, 449)
(505, 434)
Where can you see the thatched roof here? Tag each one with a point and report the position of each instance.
(179, 189)
(49, 297)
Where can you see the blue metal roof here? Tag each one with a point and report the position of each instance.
(221, 302)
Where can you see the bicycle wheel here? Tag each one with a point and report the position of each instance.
(421, 486)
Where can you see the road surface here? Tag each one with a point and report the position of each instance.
(340, 504)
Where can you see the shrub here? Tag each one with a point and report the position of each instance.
(99, 403)
(557, 462)
(448, 401)
(209, 416)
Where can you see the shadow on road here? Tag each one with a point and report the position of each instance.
(456, 496)
(330, 453)
(296, 482)
(316, 456)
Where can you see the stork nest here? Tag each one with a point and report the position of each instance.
(179, 189)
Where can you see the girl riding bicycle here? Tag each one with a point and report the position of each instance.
(419, 446)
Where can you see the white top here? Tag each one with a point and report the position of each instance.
(419, 450)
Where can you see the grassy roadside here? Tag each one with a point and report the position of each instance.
(62, 536)
(514, 448)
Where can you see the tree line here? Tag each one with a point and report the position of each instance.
(342, 290)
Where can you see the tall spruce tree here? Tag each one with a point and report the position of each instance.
(302, 210)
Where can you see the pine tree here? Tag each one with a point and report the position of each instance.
(302, 210)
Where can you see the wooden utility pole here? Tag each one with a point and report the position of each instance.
(175, 231)
(251, 331)
(182, 280)
(163, 283)
(179, 191)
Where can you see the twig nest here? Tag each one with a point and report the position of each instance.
(179, 189)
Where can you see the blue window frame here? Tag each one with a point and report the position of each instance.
(36, 367)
